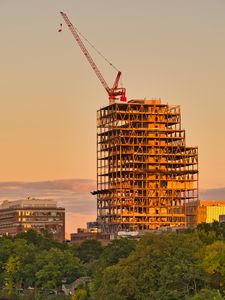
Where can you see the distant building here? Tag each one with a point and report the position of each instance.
(69, 289)
(83, 235)
(210, 210)
(222, 218)
(92, 232)
(94, 226)
(39, 214)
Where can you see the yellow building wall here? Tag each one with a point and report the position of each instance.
(213, 213)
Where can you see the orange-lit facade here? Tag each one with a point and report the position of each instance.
(146, 175)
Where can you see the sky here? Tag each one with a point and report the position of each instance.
(168, 49)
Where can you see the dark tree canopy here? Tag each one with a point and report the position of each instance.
(161, 267)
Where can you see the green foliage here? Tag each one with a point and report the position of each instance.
(116, 250)
(15, 261)
(32, 260)
(206, 294)
(80, 294)
(12, 273)
(6, 246)
(43, 241)
(116, 283)
(55, 266)
(210, 232)
(161, 267)
(111, 255)
(214, 263)
(158, 267)
(89, 250)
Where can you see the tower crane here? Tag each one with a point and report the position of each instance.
(115, 90)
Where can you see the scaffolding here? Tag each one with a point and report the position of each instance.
(146, 176)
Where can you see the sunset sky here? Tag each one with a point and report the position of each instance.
(172, 49)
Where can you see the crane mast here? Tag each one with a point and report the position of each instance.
(113, 92)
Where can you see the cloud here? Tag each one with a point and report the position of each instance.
(73, 194)
(213, 194)
(76, 185)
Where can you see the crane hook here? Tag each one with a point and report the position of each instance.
(60, 28)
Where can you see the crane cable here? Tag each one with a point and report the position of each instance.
(99, 53)
(96, 50)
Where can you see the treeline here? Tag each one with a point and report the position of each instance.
(31, 260)
(164, 266)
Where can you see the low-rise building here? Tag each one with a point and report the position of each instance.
(39, 214)
(210, 210)
(81, 236)
(222, 218)
(93, 231)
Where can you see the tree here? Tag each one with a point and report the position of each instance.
(12, 273)
(214, 263)
(89, 250)
(210, 232)
(116, 283)
(206, 294)
(55, 266)
(117, 249)
(17, 254)
(43, 241)
(166, 266)
(6, 246)
(80, 294)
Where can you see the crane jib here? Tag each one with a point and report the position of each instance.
(115, 90)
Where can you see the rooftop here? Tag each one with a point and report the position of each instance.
(29, 202)
(212, 202)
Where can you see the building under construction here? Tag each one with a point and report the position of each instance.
(146, 175)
